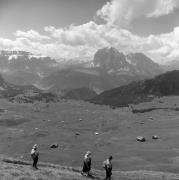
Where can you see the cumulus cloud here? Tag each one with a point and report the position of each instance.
(167, 45)
(31, 34)
(88, 33)
(84, 40)
(122, 12)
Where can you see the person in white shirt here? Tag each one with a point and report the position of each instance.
(34, 155)
(87, 164)
(107, 164)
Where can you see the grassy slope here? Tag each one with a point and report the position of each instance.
(22, 125)
(21, 170)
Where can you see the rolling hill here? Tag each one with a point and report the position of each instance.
(10, 90)
(80, 94)
(24, 94)
(162, 85)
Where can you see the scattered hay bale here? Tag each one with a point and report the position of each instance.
(140, 139)
(77, 133)
(155, 137)
(96, 133)
(54, 145)
(113, 107)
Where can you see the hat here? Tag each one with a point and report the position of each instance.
(34, 146)
(88, 153)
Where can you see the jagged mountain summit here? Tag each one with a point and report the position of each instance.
(110, 58)
(132, 64)
(24, 68)
(162, 85)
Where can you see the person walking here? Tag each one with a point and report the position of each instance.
(107, 164)
(87, 164)
(35, 156)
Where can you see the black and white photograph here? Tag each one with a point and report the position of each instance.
(89, 89)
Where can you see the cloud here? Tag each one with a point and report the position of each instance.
(167, 45)
(31, 34)
(81, 42)
(122, 12)
(6, 43)
(66, 36)
(163, 7)
(88, 33)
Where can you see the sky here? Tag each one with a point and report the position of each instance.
(76, 29)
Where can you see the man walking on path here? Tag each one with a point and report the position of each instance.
(34, 155)
(107, 164)
(87, 164)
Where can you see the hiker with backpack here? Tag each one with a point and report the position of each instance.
(34, 155)
(87, 164)
(107, 164)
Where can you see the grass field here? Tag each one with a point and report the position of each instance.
(22, 125)
(26, 172)
(21, 170)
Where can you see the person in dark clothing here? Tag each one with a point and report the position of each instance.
(34, 156)
(108, 167)
(87, 164)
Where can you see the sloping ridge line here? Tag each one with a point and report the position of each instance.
(42, 164)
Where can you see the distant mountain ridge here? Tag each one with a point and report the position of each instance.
(24, 94)
(24, 68)
(109, 69)
(10, 90)
(171, 65)
(162, 85)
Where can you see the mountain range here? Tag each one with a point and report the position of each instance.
(23, 68)
(108, 69)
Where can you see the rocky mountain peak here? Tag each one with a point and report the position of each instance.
(109, 58)
(135, 63)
